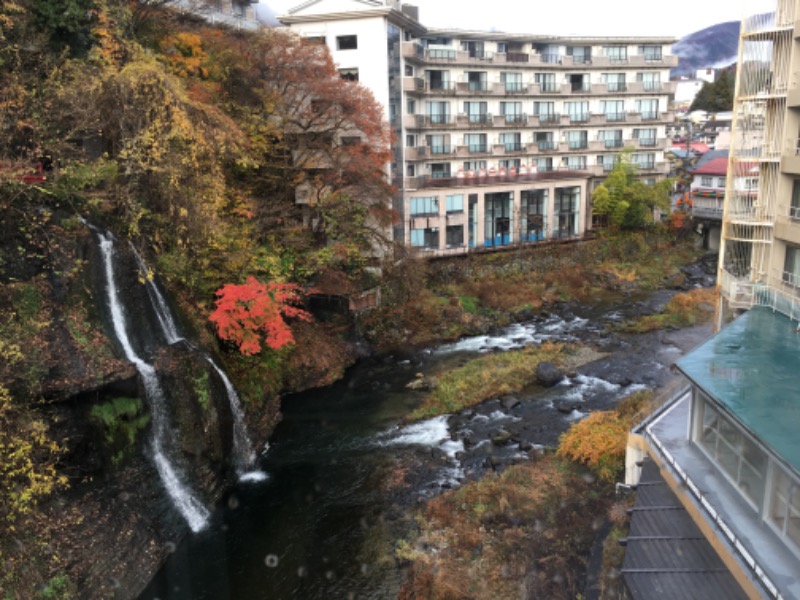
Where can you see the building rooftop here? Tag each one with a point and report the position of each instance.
(716, 166)
(751, 369)
(666, 554)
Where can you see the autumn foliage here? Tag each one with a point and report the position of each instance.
(255, 313)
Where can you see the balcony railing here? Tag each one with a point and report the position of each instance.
(477, 148)
(546, 145)
(479, 119)
(549, 87)
(615, 117)
(441, 149)
(517, 57)
(580, 88)
(647, 142)
(515, 118)
(649, 115)
(512, 146)
(474, 86)
(549, 117)
(579, 118)
(648, 165)
(515, 87)
(445, 119)
(581, 60)
(440, 86)
(617, 87)
(578, 144)
(550, 58)
(437, 54)
(652, 86)
(613, 143)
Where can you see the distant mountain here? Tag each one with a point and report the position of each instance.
(715, 46)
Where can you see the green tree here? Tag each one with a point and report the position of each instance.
(717, 96)
(625, 202)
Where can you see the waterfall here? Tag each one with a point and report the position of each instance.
(163, 313)
(190, 507)
(243, 454)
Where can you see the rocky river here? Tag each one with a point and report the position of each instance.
(343, 471)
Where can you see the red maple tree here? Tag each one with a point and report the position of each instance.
(254, 313)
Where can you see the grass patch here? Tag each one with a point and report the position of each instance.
(683, 310)
(486, 377)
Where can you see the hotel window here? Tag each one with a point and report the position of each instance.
(411, 140)
(476, 112)
(438, 143)
(474, 165)
(509, 163)
(440, 170)
(646, 137)
(543, 164)
(512, 81)
(438, 79)
(612, 138)
(512, 142)
(614, 110)
(576, 140)
(532, 213)
(647, 108)
(791, 266)
(454, 203)
(475, 142)
(476, 81)
(454, 236)
(651, 82)
(575, 163)
(707, 181)
(650, 53)
(511, 111)
(438, 112)
(616, 53)
(794, 209)
(346, 42)
(411, 171)
(566, 211)
(733, 452)
(645, 160)
(425, 238)
(409, 70)
(546, 111)
(411, 107)
(578, 111)
(502, 47)
(615, 81)
(546, 81)
(581, 55)
(424, 206)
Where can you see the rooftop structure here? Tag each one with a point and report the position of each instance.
(499, 138)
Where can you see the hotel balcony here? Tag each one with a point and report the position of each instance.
(634, 61)
(707, 208)
(488, 179)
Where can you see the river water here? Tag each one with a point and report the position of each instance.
(343, 473)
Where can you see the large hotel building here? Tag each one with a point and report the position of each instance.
(499, 138)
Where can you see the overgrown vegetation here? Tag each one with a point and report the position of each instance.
(527, 532)
(121, 419)
(494, 375)
(683, 310)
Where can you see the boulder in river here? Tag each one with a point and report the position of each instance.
(548, 374)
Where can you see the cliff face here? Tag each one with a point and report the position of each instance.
(113, 524)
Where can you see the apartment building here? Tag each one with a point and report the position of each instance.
(727, 443)
(499, 138)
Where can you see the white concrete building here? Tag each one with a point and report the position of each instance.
(499, 138)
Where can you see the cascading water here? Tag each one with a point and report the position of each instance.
(190, 507)
(163, 313)
(243, 454)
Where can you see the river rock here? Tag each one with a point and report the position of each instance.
(548, 374)
(509, 402)
(501, 438)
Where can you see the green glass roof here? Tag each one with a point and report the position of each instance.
(752, 369)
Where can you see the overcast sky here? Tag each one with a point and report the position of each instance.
(575, 17)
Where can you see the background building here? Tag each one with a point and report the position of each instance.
(499, 138)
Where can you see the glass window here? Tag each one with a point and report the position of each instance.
(424, 206)
(346, 42)
(791, 266)
(651, 53)
(546, 81)
(614, 110)
(475, 142)
(616, 53)
(577, 111)
(511, 141)
(615, 81)
(455, 203)
(567, 201)
(512, 81)
(794, 210)
(648, 108)
(532, 214)
(454, 235)
(706, 181)
(350, 74)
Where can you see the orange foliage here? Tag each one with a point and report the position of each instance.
(598, 441)
(253, 313)
(185, 55)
